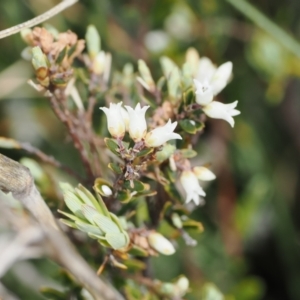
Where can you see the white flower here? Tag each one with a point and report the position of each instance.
(223, 111)
(160, 243)
(204, 92)
(137, 123)
(216, 77)
(192, 187)
(162, 134)
(125, 117)
(204, 174)
(115, 122)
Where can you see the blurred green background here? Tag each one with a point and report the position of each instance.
(250, 248)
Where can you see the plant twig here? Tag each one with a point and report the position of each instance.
(65, 118)
(17, 179)
(39, 19)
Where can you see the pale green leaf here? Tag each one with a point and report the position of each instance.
(106, 224)
(116, 240)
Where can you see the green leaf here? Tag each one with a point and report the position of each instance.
(189, 97)
(188, 153)
(172, 73)
(116, 240)
(191, 126)
(146, 75)
(166, 152)
(117, 221)
(73, 203)
(138, 186)
(160, 83)
(106, 224)
(61, 56)
(115, 168)
(72, 217)
(68, 223)
(88, 228)
(89, 213)
(145, 152)
(135, 264)
(92, 199)
(66, 187)
(138, 251)
(112, 146)
(124, 196)
(192, 224)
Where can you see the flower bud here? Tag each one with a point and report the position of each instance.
(115, 122)
(137, 123)
(204, 174)
(160, 243)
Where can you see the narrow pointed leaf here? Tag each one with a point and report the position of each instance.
(68, 223)
(112, 146)
(93, 200)
(89, 213)
(106, 224)
(88, 228)
(116, 240)
(73, 203)
(115, 168)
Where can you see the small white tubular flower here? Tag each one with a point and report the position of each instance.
(125, 117)
(162, 134)
(206, 69)
(192, 187)
(218, 110)
(216, 77)
(204, 92)
(204, 174)
(137, 123)
(159, 243)
(221, 77)
(115, 122)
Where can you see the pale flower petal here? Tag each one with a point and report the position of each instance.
(137, 123)
(192, 187)
(204, 174)
(206, 69)
(160, 243)
(115, 122)
(161, 135)
(204, 92)
(221, 77)
(218, 110)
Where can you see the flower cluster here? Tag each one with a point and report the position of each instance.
(132, 120)
(209, 82)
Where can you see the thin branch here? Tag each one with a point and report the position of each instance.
(39, 19)
(49, 159)
(65, 118)
(17, 179)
